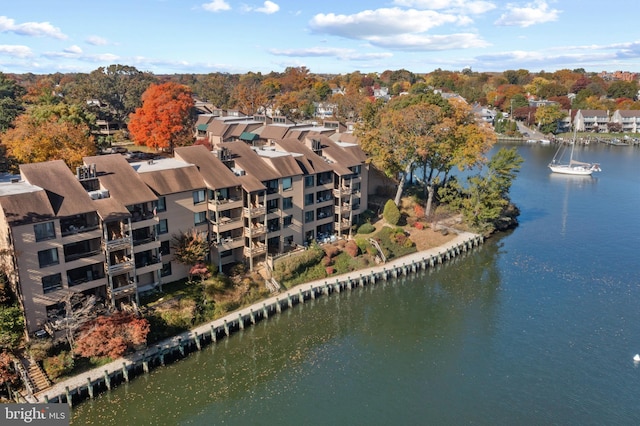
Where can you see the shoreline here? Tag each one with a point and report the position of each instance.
(86, 385)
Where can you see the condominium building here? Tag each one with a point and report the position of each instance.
(106, 229)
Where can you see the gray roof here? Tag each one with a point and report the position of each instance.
(29, 204)
(215, 174)
(66, 194)
(171, 176)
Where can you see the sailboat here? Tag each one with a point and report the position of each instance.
(571, 167)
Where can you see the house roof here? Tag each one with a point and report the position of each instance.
(628, 113)
(251, 184)
(309, 161)
(169, 176)
(116, 175)
(247, 159)
(274, 131)
(23, 203)
(215, 174)
(66, 194)
(110, 209)
(593, 113)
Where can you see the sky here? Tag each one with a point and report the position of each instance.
(326, 36)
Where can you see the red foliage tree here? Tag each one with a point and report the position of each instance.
(7, 372)
(166, 117)
(111, 336)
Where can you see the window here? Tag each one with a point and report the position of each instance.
(272, 205)
(356, 169)
(287, 184)
(161, 204)
(162, 227)
(44, 231)
(48, 257)
(287, 203)
(308, 216)
(226, 253)
(51, 283)
(198, 196)
(199, 218)
(166, 269)
(308, 199)
(308, 181)
(165, 248)
(272, 186)
(287, 221)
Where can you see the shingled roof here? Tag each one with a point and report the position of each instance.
(215, 174)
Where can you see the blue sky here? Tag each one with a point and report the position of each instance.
(329, 36)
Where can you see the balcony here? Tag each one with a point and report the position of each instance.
(257, 248)
(342, 209)
(122, 291)
(124, 265)
(230, 243)
(226, 203)
(255, 210)
(342, 225)
(116, 244)
(342, 192)
(255, 230)
(226, 224)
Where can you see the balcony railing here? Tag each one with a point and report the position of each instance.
(341, 192)
(118, 244)
(255, 250)
(121, 267)
(342, 209)
(254, 210)
(342, 225)
(255, 230)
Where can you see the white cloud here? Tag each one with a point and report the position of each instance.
(531, 14)
(216, 6)
(382, 22)
(336, 52)
(74, 50)
(35, 29)
(414, 42)
(15, 51)
(269, 7)
(97, 40)
(468, 6)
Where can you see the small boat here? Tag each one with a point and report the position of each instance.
(571, 167)
(636, 358)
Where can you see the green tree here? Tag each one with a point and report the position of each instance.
(623, 89)
(190, 248)
(547, 117)
(10, 101)
(485, 203)
(391, 213)
(11, 327)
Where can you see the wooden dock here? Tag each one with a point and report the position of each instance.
(90, 383)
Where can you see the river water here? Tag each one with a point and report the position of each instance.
(538, 326)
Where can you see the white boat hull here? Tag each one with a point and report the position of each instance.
(571, 170)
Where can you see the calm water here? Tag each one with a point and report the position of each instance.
(536, 327)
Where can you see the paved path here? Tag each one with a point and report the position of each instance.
(98, 373)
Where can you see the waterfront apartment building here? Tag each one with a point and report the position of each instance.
(106, 228)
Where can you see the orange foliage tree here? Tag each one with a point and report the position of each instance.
(111, 336)
(166, 117)
(36, 139)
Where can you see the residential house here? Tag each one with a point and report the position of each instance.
(629, 119)
(591, 120)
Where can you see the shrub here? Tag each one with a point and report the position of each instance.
(331, 251)
(418, 210)
(326, 261)
(39, 349)
(366, 228)
(330, 270)
(391, 213)
(58, 365)
(362, 244)
(352, 249)
(418, 225)
(289, 267)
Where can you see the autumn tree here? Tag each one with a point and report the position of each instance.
(547, 117)
(11, 326)
(166, 117)
(117, 88)
(8, 374)
(190, 248)
(111, 336)
(10, 101)
(51, 132)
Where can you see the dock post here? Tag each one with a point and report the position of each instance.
(313, 292)
(162, 358)
(125, 372)
(338, 289)
(240, 321)
(90, 387)
(265, 311)
(349, 283)
(301, 297)
(289, 301)
(278, 306)
(145, 366)
(226, 328)
(326, 289)
(46, 399)
(214, 336)
(180, 347)
(68, 394)
(196, 338)
(252, 316)
(107, 380)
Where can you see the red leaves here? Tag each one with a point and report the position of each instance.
(165, 118)
(111, 336)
